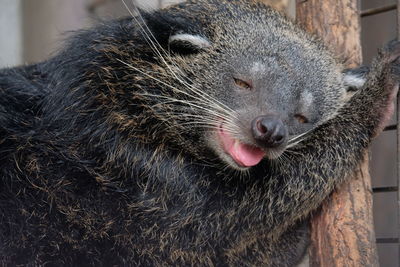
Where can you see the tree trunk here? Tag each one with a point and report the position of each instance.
(342, 231)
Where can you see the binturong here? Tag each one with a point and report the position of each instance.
(202, 134)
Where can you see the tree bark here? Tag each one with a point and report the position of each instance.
(342, 232)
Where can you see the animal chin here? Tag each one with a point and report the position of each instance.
(242, 154)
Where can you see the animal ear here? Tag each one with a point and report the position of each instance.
(185, 43)
(354, 79)
(177, 33)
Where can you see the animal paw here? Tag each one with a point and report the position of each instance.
(391, 57)
(391, 51)
(390, 61)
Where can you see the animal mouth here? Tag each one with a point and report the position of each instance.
(244, 155)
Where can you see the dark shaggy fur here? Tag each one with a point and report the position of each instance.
(101, 162)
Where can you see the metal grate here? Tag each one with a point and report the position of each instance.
(392, 240)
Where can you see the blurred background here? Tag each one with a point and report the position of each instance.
(33, 30)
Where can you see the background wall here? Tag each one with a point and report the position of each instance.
(10, 33)
(377, 30)
(31, 30)
(40, 26)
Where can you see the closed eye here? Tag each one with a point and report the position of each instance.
(301, 118)
(243, 84)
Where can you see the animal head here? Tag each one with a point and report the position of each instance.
(233, 78)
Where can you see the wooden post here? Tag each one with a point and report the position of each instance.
(342, 231)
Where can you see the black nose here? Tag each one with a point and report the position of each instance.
(269, 130)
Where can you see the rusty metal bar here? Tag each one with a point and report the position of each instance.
(378, 10)
(385, 189)
(387, 240)
(390, 127)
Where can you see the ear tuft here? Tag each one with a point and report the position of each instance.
(354, 79)
(185, 43)
(179, 33)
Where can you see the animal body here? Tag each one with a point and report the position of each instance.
(202, 134)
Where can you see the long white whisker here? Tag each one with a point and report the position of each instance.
(156, 46)
(288, 151)
(202, 125)
(223, 118)
(295, 143)
(299, 136)
(191, 104)
(172, 87)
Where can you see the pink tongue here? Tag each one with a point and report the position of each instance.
(244, 155)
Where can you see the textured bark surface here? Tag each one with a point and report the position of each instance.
(337, 22)
(342, 231)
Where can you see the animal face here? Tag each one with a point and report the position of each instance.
(250, 85)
